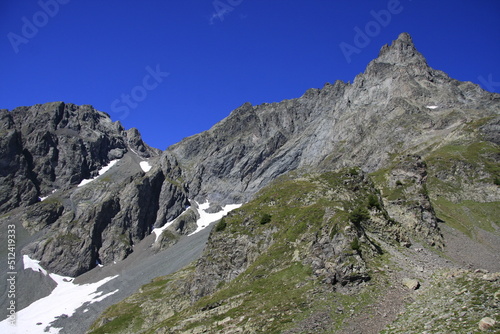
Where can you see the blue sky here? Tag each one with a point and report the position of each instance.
(173, 68)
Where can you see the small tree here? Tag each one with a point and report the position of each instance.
(373, 202)
(353, 171)
(221, 225)
(359, 215)
(266, 218)
(355, 245)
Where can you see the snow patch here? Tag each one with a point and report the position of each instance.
(432, 107)
(33, 265)
(159, 230)
(66, 298)
(146, 167)
(44, 198)
(208, 218)
(101, 172)
(204, 220)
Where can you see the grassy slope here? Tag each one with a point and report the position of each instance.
(472, 162)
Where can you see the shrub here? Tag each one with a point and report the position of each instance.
(358, 215)
(399, 183)
(497, 181)
(373, 202)
(353, 171)
(355, 245)
(266, 218)
(221, 225)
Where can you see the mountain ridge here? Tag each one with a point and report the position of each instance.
(330, 105)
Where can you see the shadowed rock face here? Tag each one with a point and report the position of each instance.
(398, 105)
(55, 146)
(47, 150)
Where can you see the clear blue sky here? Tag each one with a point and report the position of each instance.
(115, 54)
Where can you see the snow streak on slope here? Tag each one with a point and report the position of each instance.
(65, 299)
(158, 231)
(45, 197)
(207, 218)
(102, 171)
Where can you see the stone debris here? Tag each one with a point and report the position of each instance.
(486, 323)
(411, 284)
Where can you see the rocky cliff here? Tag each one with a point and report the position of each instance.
(47, 151)
(397, 104)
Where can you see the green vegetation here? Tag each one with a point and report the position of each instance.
(359, 215)
(124, 316)
(355, 245)
(265, 219)
(221, 225)
(464, 163)
(128, 315)
(454, 171)
(472, 157)
(353, 171)
(68, 238)
(466, 216)
(373, 202)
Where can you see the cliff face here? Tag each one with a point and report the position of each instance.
(47, 151)
(397, 104)
(56, 146)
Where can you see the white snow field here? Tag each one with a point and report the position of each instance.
(65, 299)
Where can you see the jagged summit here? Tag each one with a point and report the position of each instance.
(401, 51)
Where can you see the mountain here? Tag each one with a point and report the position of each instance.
(348, 190)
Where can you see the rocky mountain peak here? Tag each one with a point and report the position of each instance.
(402, 51)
